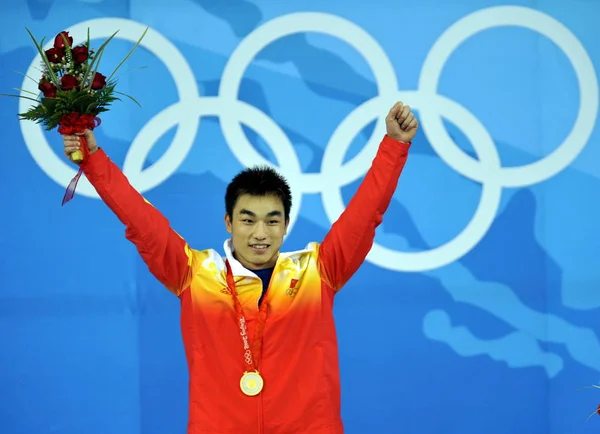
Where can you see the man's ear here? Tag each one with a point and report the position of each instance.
(228, 225)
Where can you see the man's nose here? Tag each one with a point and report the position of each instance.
(260, 232)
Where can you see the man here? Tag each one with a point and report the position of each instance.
(257, 324)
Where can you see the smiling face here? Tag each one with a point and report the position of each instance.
(257, 227)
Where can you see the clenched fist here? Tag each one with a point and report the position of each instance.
(401, 123)
(71, 143)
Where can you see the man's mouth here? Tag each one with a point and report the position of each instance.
(259, 246)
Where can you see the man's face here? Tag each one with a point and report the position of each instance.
(257, 227)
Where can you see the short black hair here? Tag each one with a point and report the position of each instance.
(258, 181)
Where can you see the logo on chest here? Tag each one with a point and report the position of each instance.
(293, 289)
(227, 290)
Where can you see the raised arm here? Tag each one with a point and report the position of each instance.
(351, 237)
(166, 254)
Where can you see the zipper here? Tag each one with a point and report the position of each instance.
(260, 414)
(261, 427)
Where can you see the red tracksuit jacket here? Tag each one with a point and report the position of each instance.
(299, 360)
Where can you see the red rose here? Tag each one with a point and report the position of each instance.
(59, 41)
(99, 81)
(80, 54)
(68, 82)
(55, 55)
(47, 88)
(70, 119)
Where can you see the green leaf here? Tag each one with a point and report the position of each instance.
(40, 49)
(96, 62)
(129, 54)
(67, 47)
(86, 65)
(137, 67)
(81, 97)
(130, 97)
(93, 75)
(26, 91)
(49, 103)
(25, 75)
(20, 96)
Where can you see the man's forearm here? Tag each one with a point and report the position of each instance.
(167, 255)
(351, 237)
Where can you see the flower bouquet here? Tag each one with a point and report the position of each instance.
(73, 92)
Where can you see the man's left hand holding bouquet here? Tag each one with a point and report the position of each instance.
(72, 143)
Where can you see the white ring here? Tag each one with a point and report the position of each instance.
(33, 134)
(486, 210)
(278, 28)
(547, 26)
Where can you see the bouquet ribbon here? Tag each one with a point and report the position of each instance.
(75, 123)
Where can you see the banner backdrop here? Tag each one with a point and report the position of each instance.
(478, 307)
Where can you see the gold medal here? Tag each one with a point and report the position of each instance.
(251, 383)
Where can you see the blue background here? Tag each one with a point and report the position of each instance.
(497, 341)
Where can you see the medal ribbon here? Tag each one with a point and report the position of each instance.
(252, 351)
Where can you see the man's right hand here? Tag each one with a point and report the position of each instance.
(71, 143)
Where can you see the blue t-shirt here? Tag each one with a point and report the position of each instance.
(265, 275)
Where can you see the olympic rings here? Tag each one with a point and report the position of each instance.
(248, 357)
(334, 174)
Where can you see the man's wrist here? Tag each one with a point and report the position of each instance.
(399, 140)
